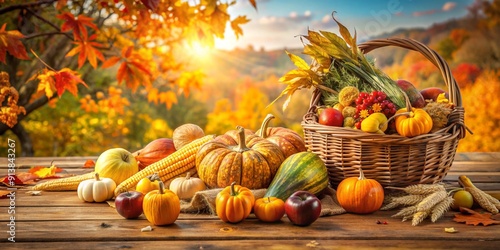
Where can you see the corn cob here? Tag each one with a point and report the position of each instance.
(63, 184)
(173, 165)
(480, 197)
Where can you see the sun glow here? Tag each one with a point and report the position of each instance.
(200, 51)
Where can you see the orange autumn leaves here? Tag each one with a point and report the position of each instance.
(10, 41)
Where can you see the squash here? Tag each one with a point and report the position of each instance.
(185, 134)
(360, 195)
(186, 187)
(269, 209)
(412, 123)
(303, 171)
(161, 207)
(252, 162)
(97, 189)
(375, 123)
(234, 203)
(289, 141)
(154, 151)
(148, 184)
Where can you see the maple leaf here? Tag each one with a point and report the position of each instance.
(168, 98)
(133, 69)
(11, 179)
(86, 50)
(62, 80)
(44, 172)
(77, 24)
(10, 41)
(235, 25)
(471, 217)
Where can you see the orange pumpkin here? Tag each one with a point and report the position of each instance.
(154, 151)
(269, 209)
(161, 207)
(289, 141)
(413, 122)
(360, 195)
(234, 203)
(252, 162)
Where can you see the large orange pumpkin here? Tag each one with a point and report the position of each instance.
(251, 162)
(360, 195)
(289, 141)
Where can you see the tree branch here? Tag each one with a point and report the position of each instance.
(46, 34)
(49, 23)
(24, 6)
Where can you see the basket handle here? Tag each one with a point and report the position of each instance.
(431, 55)
(457, 116)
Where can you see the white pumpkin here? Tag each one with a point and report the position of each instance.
(186, 187)
(97, 189)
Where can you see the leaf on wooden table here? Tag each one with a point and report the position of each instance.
(4, 193)
(45, 172)
(11, 42)
(471, 217)
(89, 164)
(11, 181)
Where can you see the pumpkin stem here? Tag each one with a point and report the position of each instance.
(188, 175)
(242, 146)
(409, 113)
(96, 176)
(361, 175)
(154, 177)
(265, 124)
(162, 187)
(233, 192)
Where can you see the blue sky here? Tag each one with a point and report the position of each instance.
(276, 23)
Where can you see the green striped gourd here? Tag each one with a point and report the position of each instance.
(303, 171)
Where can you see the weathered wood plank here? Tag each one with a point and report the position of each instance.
(260, 244)
(340, 227)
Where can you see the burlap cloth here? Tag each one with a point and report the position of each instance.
(204, 202)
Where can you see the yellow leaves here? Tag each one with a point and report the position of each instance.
(235, 25)
(302, 77)
(111, 104)
(167, 97)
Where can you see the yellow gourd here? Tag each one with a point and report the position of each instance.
(97, 189)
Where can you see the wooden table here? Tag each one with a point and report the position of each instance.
(59, 220)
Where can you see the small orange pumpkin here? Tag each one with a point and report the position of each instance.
(269, 209)
(161, 207)
(360, 195)
(234, 203)
(413, 122)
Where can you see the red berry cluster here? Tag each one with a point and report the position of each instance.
(366, 101)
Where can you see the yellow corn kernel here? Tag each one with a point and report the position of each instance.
(63, 184)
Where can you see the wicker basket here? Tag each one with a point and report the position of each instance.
(392, 160)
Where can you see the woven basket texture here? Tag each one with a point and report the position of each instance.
(393, 160)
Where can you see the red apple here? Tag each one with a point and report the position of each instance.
(302, 208)
(331, 117)
(129, 204)
(432, 93)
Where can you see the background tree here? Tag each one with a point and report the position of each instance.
(49, 47)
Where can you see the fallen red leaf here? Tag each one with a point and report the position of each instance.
(4, 193)
(471, 217)
(11, 180)
(89, 164)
